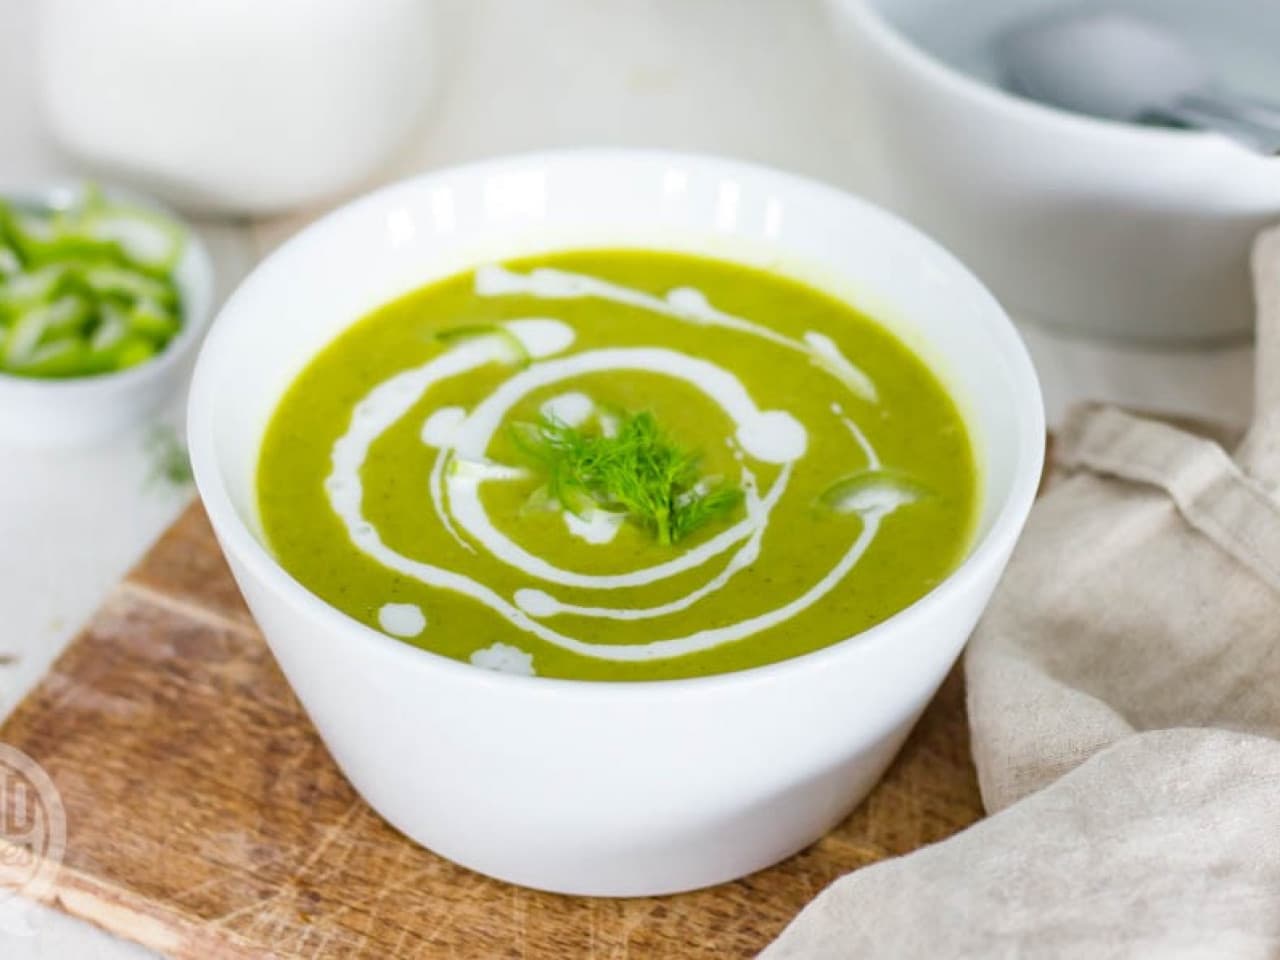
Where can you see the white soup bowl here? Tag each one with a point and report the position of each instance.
(588, 787)
(1089, 226)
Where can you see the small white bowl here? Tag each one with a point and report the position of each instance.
(1093, 227)
(83, 410)
(610, 788)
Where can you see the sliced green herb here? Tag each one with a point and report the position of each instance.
(168, 454)
(55, 358)
(634, 468)
(870, 491)
(513, 348)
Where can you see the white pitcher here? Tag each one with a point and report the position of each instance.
(235, 106)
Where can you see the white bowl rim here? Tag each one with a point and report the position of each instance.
(897, 42)
(236, 537)
(195, 316)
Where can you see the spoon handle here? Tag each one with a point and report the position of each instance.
(1262, 111)
(1254, 123)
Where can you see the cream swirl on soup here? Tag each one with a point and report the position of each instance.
(840, 470)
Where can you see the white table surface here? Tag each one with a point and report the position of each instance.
(758, 79)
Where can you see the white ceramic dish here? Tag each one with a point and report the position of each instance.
(1090, 226)
(84, 410)
(609, 788)
(236, 106)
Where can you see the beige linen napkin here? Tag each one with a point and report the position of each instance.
(1124, 698)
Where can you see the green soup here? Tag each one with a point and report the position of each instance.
(617, 465)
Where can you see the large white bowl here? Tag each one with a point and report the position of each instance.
(1091, 226)
(609, 788)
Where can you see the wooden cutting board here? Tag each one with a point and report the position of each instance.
(206, 820)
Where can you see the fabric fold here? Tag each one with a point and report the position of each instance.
(1124, 702)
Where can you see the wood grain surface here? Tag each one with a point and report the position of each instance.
(206, 820)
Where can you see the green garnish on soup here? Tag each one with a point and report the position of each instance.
(617, 465)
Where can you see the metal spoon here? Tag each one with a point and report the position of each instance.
(1120, 67)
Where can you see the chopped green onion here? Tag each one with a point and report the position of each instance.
(108, 280)
(152, 320)
(24, 336)
(57, 359)
(10, 263)
(86, 289)
(867, 492)
(513, 349)
(134, 350)
(69, 314)
(146, 238)
(111, 330)
(26, 290)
